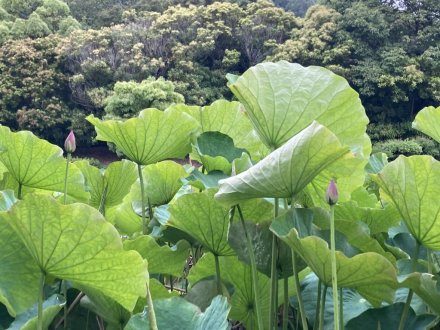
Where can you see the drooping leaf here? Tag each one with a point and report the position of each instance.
(217, 151)
(35, 163)
(109, 187)
(74, 243)
(371, 274)
(202, 217)
(282, 99)
(412, 185)
(388, 317)
(228, 118)
(151, 137)
(161, 182)
(149, 249)
(428, 121)
(28, 320)
(125, 218)
(178, 314)
(287, 170)
(425, 286)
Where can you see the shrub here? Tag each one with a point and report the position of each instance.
(396, 147)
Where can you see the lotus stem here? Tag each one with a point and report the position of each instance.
(20, 186)
(141, 182)
(410, 292)
(68, 159)
(40, 302)
(273, 275)
(103, 198)
(286, 303)
(334, 269)
(318, 305)
(321, 312)
(217, 272)
(298, 293)
(150, 309)
(250, 249)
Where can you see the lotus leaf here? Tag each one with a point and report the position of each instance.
(428, 122)
(151, 137)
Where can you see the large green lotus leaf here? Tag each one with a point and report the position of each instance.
(228, 118)
(412, 185)
(151, 137)
(282, 99)
(239, 275)
(202, 217)
(17, 268)
(125, 218)
(161, 182)
(355, 230)
(7, 199)
(388, 317)
(425, 286)
(217, 151)
(36, 163)
(29, 319)
(112, 312)
(155, 254)
(178, 314)
(428, 122)
(287, 170)
(75, 243)
(108, 188)
(205, 181)
(371, 274)
(257, 210)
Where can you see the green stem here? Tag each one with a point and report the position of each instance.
(321, 312)
(217, 272)
(298, 293)
(68, 159)
(318, 305)
(144, 220)
(273, 276)
(20, 186)
(103, 198)
(40, 302)
(341, 309)
(286, 303)
(410, 293)
(250, 249)
(334, 269)
(151, 313)
(64, 285)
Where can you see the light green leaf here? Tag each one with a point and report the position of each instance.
(228, 118)
(412, 185)
(282, 99)
(161, 182)
(125, 218)
(287, 170)
(75, 243)
(17, 268)
(152, 137)
(108, 188)
(36, 163)
(149, 249)
(205, 181)
(428, 121)
(178, 314)
(371, 274)
(202, 217)
(28, 320)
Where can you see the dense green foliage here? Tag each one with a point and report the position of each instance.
(149, 243)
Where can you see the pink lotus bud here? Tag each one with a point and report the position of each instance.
(70, 143)
(331, 195)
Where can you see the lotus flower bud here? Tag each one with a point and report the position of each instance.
(70, 143)
(331, 195)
